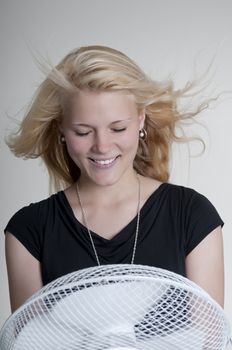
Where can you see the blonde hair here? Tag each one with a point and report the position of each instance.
(105, 69)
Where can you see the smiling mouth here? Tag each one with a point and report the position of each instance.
(104, 161)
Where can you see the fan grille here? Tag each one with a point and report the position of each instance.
(118, 307)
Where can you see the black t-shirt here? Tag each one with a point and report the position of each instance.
(173, 221)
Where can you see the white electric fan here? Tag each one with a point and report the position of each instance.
(118, 307)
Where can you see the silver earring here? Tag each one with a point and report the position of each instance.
(62, 139)
(143, 134)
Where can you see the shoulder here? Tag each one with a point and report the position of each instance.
(183, 194)
(151, 186)
(180, 190)
(35, 211)
(47, 202)
(30, 223)
(195, 214)
(188, 204)
(192, 200)
(171, 194)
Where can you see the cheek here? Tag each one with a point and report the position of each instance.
(130, 141)
(75, 146)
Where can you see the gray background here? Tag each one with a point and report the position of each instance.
(168, 38)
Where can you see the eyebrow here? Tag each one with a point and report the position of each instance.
(114, 122)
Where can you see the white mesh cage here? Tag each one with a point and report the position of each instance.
(118, 307)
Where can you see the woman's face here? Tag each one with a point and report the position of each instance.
(101, 131)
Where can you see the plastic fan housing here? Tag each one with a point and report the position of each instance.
(118, 307)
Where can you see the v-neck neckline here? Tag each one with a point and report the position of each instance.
(125, 228)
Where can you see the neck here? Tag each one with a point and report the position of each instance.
(88, 229)
(110, 193)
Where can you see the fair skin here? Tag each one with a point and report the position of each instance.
(24, 272)
(101, 133)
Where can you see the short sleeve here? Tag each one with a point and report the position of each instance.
(201, 219)
(25, 226)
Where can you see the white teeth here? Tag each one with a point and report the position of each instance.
(104, 162)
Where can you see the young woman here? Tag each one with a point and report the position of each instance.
(104, 130)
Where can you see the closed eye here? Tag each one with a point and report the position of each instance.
(82, 133)
(119, 130)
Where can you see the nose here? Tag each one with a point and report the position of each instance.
(102, 142)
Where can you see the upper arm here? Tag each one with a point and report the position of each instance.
(205, 265)
(24, 271)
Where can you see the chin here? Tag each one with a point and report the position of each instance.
(104, 181)
(101, 178)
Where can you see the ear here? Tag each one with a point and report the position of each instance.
(142, 118)
(60, 127)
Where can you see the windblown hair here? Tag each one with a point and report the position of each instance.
(99, 68)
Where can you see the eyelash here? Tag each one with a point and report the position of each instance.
(119, 130)
(86, 133)
(82, 134)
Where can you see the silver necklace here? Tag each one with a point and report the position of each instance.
(89, 232)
